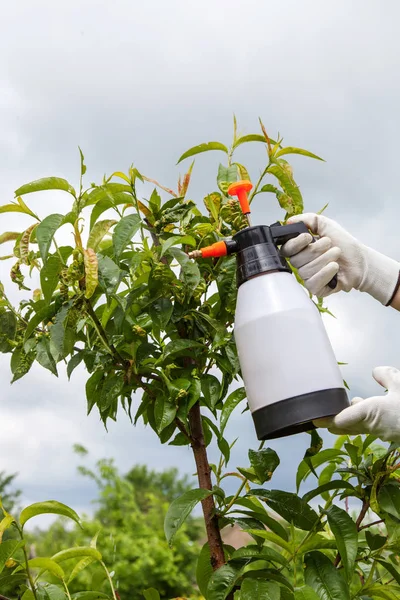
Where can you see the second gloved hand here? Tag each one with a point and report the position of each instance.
(337, 252)
(379, 415)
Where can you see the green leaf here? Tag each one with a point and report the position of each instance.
(43, 315)
(45, 232)
(387, 592)
(271, 537)
(46, 564)
(390, 568)
(7, 550)
(160, 312)
(83, 166)
(268, 188)
(164, 412)
(289, 506)
(124, 231)
(375, 541)
(80, 566)
(5, 523)
(336, 484)
(251, 137)
(230, 404)
(222, 582)
(190, 273)
(98, 232)
(353, 452)
(253, 589)
(292, 150)
(180, 509)
(389, 499)
(92, 388)
(48, 591)
(108, 201)
(45, 508)
(46, 183)
(44, 356)
(345, 531)
(226, 176)
(211, 390)
(177, 347)
(77, 552)
(318, 542)
(305, 593)
(204, 569)
(109, 274)
(324, 578)
(263, 553)
(21, 363)
(177, 239)
(57, 332)
(21, 207)
(50, 276)
(155, 202)
(331, 454)
(8, 330)
(151, 594)
(264, 463)
(206, 147)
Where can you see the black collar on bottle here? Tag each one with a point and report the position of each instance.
(257, 252)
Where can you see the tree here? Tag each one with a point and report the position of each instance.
(8, 494)
(131, 536)
(154, 331)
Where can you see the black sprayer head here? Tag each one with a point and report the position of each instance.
(257, 249)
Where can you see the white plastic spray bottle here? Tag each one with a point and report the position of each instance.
(287, 363)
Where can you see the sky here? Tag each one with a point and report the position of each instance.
(140, 82)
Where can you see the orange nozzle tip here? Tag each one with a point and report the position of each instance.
(215, 250)
(238, 186)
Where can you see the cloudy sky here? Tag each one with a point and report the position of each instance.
(141, 82)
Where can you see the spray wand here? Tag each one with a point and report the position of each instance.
(223, 248)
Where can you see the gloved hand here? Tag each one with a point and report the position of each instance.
(379, 415)
(338, 252)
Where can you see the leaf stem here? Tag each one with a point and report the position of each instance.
(30, 578)
(255, 190)
(66, 590)
(109, 580)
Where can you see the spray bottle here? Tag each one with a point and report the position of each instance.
(287, 363)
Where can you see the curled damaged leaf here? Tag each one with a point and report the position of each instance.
(8, 236)
(24, 243)
(99, 230)
(91, 272)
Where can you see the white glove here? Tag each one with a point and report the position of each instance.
(379, 415)
(338, 252)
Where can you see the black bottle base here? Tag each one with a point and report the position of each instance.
(295, 415)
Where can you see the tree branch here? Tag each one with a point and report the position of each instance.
(362, 514)
(371, 524)
(204, 476)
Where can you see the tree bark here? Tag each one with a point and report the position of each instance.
(204, 476)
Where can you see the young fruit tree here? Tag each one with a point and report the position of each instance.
(154, 331)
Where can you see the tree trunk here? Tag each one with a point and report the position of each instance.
(204, 476)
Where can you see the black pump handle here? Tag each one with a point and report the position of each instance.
(284, 233)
